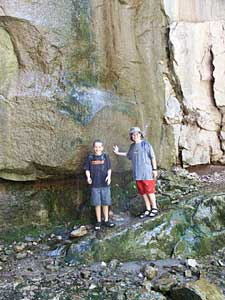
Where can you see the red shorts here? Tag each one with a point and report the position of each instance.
(146, 186)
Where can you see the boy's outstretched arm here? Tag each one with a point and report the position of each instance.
(116, 151)
(88, 175)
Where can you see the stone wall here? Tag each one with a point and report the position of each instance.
(72, 71)
(196, 49)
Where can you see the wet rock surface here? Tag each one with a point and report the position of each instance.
(45, 267)
(38, 275)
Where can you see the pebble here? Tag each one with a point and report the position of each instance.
(103, 264)
(21, 255)
(188, 273)
(191, 263)
(92, 286)
(79, 232)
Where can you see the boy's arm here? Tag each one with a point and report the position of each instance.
(108, 177)
(116, 151)
(154, 168)
(88, 175)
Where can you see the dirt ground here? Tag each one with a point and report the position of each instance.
(210, 174)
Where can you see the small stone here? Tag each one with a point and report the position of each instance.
(78, 232)
(114, 263)
(103, 264)
(85, 274)
(188, 273)
(92, 286)
(179, 268)
(165, 283)
(150, 272)
(21, 255)
(8, 251)
(191, 263)
(3, 258)
(147, 284)
(59, 238)
(140, 275)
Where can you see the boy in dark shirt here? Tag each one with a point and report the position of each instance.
(98, 172)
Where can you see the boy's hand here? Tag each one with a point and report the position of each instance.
(115, 149)
(89, 180)
(155, 173)
(108, 179)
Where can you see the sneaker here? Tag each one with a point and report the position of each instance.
(98, 226)
(109, 224)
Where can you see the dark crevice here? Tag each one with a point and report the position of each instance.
(180, 160)
(212, 82)
(173, 78)
(212, 95)
(171, 74)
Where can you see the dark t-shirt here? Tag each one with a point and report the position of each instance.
(98, 165)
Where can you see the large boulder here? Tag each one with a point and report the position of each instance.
(194, 228)
(200, 290)
(73, 71)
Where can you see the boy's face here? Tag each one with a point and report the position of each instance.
(136, 137)
(98, 148)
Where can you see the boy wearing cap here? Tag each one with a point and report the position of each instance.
(98, 173)
(144, 166)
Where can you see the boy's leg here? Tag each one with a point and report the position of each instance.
(154, 210)
(147, 201)
(105, 209)
(107, 223)
(152, 200)
(98, 213)
(96, 202)
(106, 202)
(98, 217)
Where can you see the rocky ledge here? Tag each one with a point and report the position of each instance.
(179, 254)
(31, 270)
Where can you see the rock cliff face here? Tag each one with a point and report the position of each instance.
(72, 71)
(196, 37)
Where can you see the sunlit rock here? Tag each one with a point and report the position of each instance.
(201, 289)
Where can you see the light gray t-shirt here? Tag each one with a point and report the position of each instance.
(141, 155)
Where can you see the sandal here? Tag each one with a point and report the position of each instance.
(145, 214)
(154, 212)
(98, 226)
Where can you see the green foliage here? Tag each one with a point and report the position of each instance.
(20, 232)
